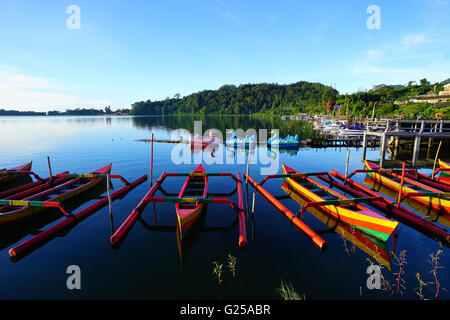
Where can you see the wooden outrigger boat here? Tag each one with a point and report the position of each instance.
(16, 209)
(422, 197)
(188, 213)
(388, 207)
(444, 168)
(188, 208)
(347, 210)
(52, 197)
(441, 182)
(370, 245)
(11, 174)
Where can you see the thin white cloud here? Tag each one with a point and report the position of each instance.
(20, 91)
(411, 40)
(224, 11)
(400, 62)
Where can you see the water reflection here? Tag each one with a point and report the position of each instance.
(222, 123)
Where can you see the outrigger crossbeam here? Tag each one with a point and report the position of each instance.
(294, 219)
(126, 226)
(338, 202)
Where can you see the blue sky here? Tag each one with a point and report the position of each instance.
(127, 51)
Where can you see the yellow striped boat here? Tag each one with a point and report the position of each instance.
(433, 205)
(356, 214)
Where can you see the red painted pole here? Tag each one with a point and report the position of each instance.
(129, 222)
(314, 237)
(242, 225)
(51, 232)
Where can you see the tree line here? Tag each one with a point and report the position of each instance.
(300, 97)
(244, 99)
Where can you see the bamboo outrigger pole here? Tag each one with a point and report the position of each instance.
(248, 162)
(108, 189)
(49, 169)
(435, 160)
(346, 166)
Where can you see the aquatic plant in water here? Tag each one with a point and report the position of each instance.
(435, 264)
(419, 290)
(400, 261)
(232, 264)
(217, 271)
(287, 292)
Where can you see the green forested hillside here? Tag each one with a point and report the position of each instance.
(243, 99)
(302, 96)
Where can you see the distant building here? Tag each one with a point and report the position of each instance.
(441, 97)
(446, 91)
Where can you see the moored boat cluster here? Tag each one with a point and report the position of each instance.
(330, 196)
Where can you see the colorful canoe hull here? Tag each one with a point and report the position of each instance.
(440, 207)
(187, 214)
(370, 245)
(444, 176)
(365, 219)
(7, 178)
(22, 213)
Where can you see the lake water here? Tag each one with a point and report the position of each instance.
(147, 264)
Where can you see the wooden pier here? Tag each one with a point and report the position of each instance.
(416, 130)
(343, 142)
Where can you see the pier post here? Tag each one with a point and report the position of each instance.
(383, 148)
(430, 145)
(364, 146)
(416, 151)
(396, 147)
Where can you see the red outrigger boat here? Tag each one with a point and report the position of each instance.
(188, 213)
(188, 207)
(11, 174)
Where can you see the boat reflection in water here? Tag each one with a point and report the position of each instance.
(370, 245)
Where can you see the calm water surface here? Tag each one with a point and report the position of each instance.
(147, 264)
